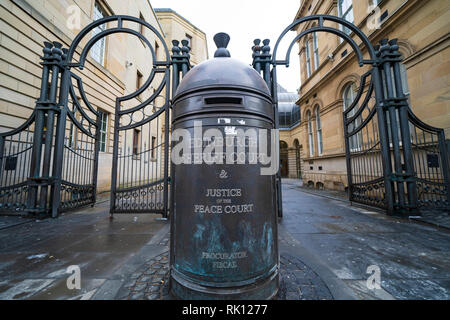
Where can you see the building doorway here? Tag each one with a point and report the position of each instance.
(284, 159)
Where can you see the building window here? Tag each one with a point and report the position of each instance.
(189, 39)
(103, 129)
(156, 50)
(153, 147)
(282, 119)
(345, 11)
(295, 118)
(98, 49)
(319, 131)
(350, 93)
(308, 59)
(310, 134)
(136, 142)
(404, 77)
(316, 50)
(139, 79)
(141, 26)
(72, 140)
(72, 135)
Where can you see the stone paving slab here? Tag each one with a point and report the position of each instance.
(438, 218)
(413, 258)
(435, 217)
(11, 221)
(297, 281)
(34, 256)
(149, 280)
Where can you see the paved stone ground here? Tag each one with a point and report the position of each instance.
(35, 254)
(325, 247)
(151, 282)
(321, 192)
(298, 281)
(414, 259)
(438, 218)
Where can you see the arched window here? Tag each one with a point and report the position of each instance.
(349, 96)
(316, 50)
(308, 59)
(318, 130)
(310, 134)
(98, 49)
(350, 92)
(404, 76)
(345, 11)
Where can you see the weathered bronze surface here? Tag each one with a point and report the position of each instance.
(224, 223)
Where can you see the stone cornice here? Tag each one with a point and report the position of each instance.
(180, 19)
(325, 156)
(439, 45)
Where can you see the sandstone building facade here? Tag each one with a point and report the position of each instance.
(330, 76)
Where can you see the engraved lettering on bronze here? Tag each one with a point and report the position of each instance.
(225, 260)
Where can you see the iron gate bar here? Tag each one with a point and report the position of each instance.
(17, 185)
(444, 157)
(358, 98)
(355, 130)
(404, 125)
(389, 98)
(86, 186)
(59, 139)
(83, 97)
(52, 105)
(38, 128)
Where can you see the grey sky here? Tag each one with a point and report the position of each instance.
(243, 20)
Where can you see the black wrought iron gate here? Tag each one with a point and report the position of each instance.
(50, 163)
(416, 172)
(394, 161)
(44, 169)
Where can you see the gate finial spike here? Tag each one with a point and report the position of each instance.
(221, 40)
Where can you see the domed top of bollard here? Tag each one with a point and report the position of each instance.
(222, 72)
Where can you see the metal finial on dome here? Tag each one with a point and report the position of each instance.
(221, 40)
